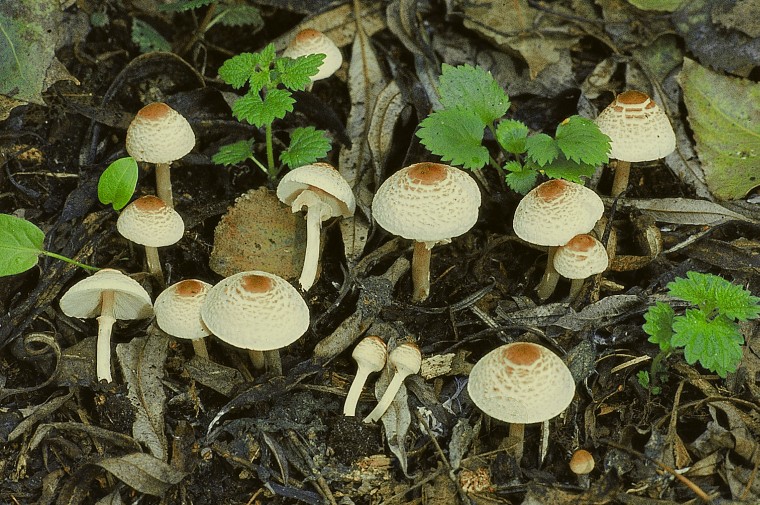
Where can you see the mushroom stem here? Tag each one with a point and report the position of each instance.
(550, 278)
(575, 288)
(199, 346)
(272, 362)
(154, 262)
(257, 359)
(388, 396)
(164, 183)
(421, 271)
(311, 259)
(517, 440)
(620, 182)
(106, 321)
(355, 391)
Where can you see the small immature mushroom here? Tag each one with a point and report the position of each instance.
(406, 360)
(581, 464)
(311, 41)
(178, 312)
(550, 215)
(159, 134)
(639, 131)
(109, 295)
(257, 311)
(579, 259)
(370, 355)
(521, 383)
(149, 221)
(325, 194)
(428, 203)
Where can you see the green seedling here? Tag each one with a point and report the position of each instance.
(271, 81)
(117, 183)
(473, 101)
(708, 331)
(21, 245)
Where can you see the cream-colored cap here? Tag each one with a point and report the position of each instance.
(325, 179)
(131, 301)
(521, 383)
(159, 134)
(149, 221)
(554, 212)
(255, 310)
(638, 129)
(311, 41)
(427, 202)
(178, 309)
(582, 257)
(582, 462)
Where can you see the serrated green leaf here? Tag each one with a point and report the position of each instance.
(307, 145)
(511, 135)
(712, 292)
(580, 140)
(474, 89)
(659, 325)
(232, 154)
(147, 38)
(295, 73)
(562, 168)
(259, 112)
(715, 343)
(267, 56)
(184, 5)
(20, 245)
(519, 178)
(240, 15)
(456, 135)
(117, 183)
(541, 149)
(237, 70)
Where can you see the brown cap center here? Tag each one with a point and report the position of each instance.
(256, 283)
(551, 190)
(156, 110)
(427, 173)
(189, 288)
(307, 35)
(632, 97)
(581, 243)
(522, 353)
(149, 203)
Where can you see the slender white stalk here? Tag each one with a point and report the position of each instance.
(164, 183)
(311, 260)
(387, 398)
(106, 321)
(355, 391)
(550, 278)
(199, 346)
(154, 262)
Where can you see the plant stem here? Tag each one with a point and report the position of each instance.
(270, 153)
(69, 260)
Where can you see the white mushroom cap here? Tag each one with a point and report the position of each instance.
(150, 222)
(178, 309)
(159, 134)
(427, 202)
(638, 129)
(255, 310)
(582, 257)
(311, 41)
(554, 212)
(131, 301)
(521, 383)
(324, 178)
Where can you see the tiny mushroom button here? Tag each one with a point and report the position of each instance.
(579, 259)
(109, 295)
(325, 194)
(310, 41)
(370, 355)
(178, 312)
(428, 203)
(406, 360)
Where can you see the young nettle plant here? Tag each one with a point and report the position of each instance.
(473, 101)
(271, 81)
(708, 332)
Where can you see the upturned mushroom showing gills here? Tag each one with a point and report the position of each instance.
(325, 194)
(429, 203)
(310, 41)
(370, 355)
(638, 130)
(406, 360)
(257, 311)
(109, 295)
(159, 134)
(178, 312)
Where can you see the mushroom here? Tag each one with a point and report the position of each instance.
(521, 383)
(310, 41)
(159, 134)
(581, 464)
(325, 194)
(370, 354)
(149, 221)
(579, 259)
(178, 312)
(109, 295)
(406, 360)
(429, 203)
(638, 130)
(257, 311)
(550, 215)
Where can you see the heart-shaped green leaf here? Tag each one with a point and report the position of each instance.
(20, 245)
(117, 183)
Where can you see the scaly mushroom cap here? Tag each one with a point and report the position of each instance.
(255, 310)
(521, 383)
(582, 257)
(554, 212)
(131, 301)
(638, 129)
(149, 221)
(178, 309)
(427, 202)
(325, 179)
(311, 41)
(159, 134)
